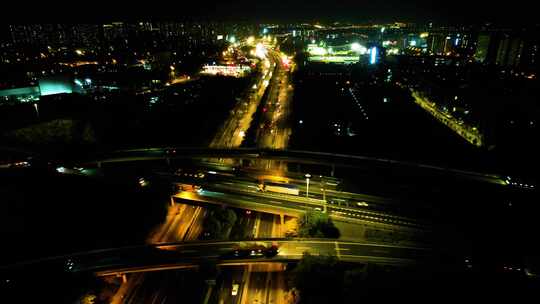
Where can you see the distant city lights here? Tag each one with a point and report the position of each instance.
(392, 51)
(285, 60)
(357, 47)
(260, 51)
(226, 70)
(316, 50)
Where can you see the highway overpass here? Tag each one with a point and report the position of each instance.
(331, 160)
(190, 254)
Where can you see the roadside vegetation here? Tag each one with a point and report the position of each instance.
(218, 223)
(317, 224)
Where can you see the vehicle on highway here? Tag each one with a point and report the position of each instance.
(234, 289)
(189, 173)
(279, 188)
(189, 187)
(338, 201)
(257, 250)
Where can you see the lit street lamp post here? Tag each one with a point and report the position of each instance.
(323, 193)
(307, 184)
(37, 109)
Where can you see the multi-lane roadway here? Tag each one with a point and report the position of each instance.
(234, 129)
(175, 255)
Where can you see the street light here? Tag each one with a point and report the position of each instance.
(37, 109)
(307, 184)
(323, 192)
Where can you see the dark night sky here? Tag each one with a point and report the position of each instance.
(518, 11)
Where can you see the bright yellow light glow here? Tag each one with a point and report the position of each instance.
(357, 47)
(285, 60)
(316, 50)
(79, 52)
(424, 35)
(274, 178)
(260, 51)
(393, 51)
(251, 40)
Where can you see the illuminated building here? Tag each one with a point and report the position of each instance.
(447, 45)
(46, 86)
(530, 57)
(226, 70)
(485, 48)
(436, 43)
(342, 54)
(21, 94)
(509, 51)
(373, 53)
(335, 59)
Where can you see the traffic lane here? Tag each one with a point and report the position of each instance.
(383, 251)
(246, 202)
(178, 232)
(296, 250)
(171, 222)
(301, 201)
(291, 176)
(154, 289)
(249, 221)
(287, 248)
(291, 205)
(276, 288)
(230, 275)
(238, 278)
(266, 225)
(257, 284)
(196, 228)
(135, 282)
(188, 254)
(366, 206)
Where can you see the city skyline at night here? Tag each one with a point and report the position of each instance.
(269, 152)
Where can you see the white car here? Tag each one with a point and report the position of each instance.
(234, 290)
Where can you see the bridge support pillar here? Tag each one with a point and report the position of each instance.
(168, 160)
(332, 171)
(124, 277)
(99, 165)
(282, 225)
